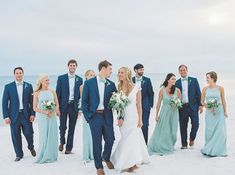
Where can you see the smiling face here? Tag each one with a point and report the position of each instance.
(72, 68)
(172, 80)
(18, 75)
(183, 71)
(121, 74)
(139, 72)
(45, 82)
(107, 71)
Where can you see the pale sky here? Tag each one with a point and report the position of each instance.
(41, 35)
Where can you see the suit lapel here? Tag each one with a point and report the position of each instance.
(67, 83)
(15, 91)
(96, 87)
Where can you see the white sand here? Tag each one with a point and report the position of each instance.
(182, 162)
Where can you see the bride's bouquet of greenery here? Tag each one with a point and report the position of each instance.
(213, 104)
(48, 105)
(176, 102)
(118, 102)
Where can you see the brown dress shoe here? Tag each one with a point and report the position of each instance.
(109, 164)
(100, 171)
(191, 143)
(61, 147)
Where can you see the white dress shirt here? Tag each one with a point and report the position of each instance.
(184, 82)
(19, 87)
(71, 86)
(101, 86)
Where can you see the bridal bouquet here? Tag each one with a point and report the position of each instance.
(213, 104)
(48, 105)
(176, 102)
(119, 102)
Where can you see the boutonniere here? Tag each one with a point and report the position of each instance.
(143, 81)
(25, 85)
(107, 83)
(76, 79)
(189, 80)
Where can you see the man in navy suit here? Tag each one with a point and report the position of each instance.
(67, 90)
(147, 97)
(95, 98)
(17, 106)
(191, 97)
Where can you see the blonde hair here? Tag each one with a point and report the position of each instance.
(130, 83)
(88, 72)
(39, 82)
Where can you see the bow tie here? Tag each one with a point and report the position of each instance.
(71, 76)
(19, 83)
(102, 81)
(184, 79)
(139, 79)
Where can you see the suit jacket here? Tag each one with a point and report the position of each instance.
(91, 99)
(194, 92)
(146, 92)
(10, 101)
(62, 91)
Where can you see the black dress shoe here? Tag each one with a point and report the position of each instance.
(18, 159)
(33, 152)
(68, 152)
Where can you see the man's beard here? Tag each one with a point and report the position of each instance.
(140, 74)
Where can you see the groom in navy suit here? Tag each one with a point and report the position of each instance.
(147, 97)
(95, 98)
(67, 90)
(17, 106)
(191, 97)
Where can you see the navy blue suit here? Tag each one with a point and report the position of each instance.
(68, 109)
(147, 103)
(189, 110)
(101, 124)
(19, 119)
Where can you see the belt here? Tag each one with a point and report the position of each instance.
(21, 110)
(70, 101)
(99, 111)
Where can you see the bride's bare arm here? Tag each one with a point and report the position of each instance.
(139, 108)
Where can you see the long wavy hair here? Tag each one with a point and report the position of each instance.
(165, 83)
(39, 82)
(130, 83)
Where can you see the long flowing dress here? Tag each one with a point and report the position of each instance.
(215, 127)
(164, 136)
(48, 132)
(87, 142)
(131, 149)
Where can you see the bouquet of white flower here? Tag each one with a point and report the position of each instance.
(176, 102)
(118, 102)
(48, 105)
(213, 104)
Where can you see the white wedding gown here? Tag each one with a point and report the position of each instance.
(131, 149)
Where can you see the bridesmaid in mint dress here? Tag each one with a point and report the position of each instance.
(87, 139)
(215, 125)
(47, 122)
(164, 136)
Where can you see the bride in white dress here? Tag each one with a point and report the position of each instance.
(131, 149)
